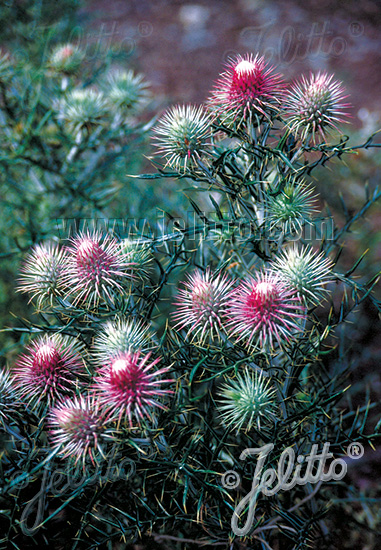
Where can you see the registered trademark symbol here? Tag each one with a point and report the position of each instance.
(356, 28)
(355, 450)
(145, 28)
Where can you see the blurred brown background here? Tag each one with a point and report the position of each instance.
(181, 45)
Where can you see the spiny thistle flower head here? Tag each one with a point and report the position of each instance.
(201, 305)
(49, 369)
(291, 208)
(264, 311)
(137, 253)
(248, 88)
(66, 59)
(95, 268)
(315, 104)
(183, 135)
(122, 336)
(306, 271)
(247, 401)
(83, 109)
(78, 426)
(126, 90)
(40, 276)
(128, 386)
(9, 402)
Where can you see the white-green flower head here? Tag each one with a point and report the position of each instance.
(292, 207)
(41, 273)
(183, 135)
(306, 270)
(84, 108)
(315, 105)
(126, 90)
(122, 336)
(66, 59)
(247, 401)
(139, 255)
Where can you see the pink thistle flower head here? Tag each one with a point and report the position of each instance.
(96, 268)
(49, 368)
(41, 274)
(248, 88)
(129, 386)
(265, 311)
(315, 105)
(78, 428)
(201, 305)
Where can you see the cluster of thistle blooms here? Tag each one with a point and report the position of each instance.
(269, 309)
(247, 94)
(89, 394)
(265, 313)
(120, 95)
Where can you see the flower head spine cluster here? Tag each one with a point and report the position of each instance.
(129, 387)
(183, 136)
(48, 369)
(201, 305)
(247, 401)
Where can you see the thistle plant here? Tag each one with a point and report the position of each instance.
(126, 90)
(121, 336)
(49, 369)
(95, 268)
(201, 306)
(247, 401)
(315, 105)
(190, 347)
(41, 274)
(126, 388)
(66, 59)
(306, 271)
(79, 428)
(247, 90)
(291, 208)
(182, 136)
(265, 311)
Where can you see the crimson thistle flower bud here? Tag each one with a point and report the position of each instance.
(41, 273)
(247, 401)
(247, 89)
(126, 387)
(78, 427)
(49, 369)
(183, 136)
(202, 305)
(122, 336)
(264, 311)
(291, 208)
(306, 271)
(315, 105)
(66, 59)
(95, 268)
